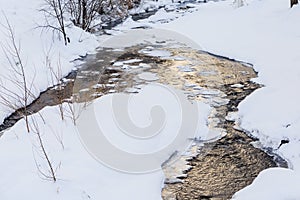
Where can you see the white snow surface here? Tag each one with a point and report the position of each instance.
(79, 175)
(264, 33)
(148, 76)
(36, 46)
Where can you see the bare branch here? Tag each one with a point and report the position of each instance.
(51, 171)
(12, 52)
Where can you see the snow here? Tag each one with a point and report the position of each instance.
(185, 68)
(264, 33)
(79, 175)
(156, 53)
(273, 183)
(36, 46)
(148, 76)
(160, 16)
(137, 133)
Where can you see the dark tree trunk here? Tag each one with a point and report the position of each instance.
(79, 13)
(293, 2)
(84, 14)
(60, 17)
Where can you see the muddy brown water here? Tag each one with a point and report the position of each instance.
(213, 169)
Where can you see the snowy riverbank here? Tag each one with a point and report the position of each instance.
(43, 54)
(264, 33)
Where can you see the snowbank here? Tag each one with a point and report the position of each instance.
(273, 183)
(79, 175)
(266, 34)
(36, 46)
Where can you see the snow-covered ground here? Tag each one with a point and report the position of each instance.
(24, 170)
(79, 175)
(25, 173)
(37, 46)
(265, 33)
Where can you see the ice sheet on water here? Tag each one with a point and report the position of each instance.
(156, 53)
(185, 68)
(148, 76)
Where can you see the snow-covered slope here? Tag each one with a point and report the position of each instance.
(266, 34)
(36, 45)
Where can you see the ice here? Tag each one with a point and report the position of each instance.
(185, 68)
(157, 53)
(148, 76)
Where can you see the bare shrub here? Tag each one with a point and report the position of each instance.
(86, 14)
(294, 2)
(17, 76)
(56, 75)
(83, 12)
(56, 9)
(238, 3)
(49, 174)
